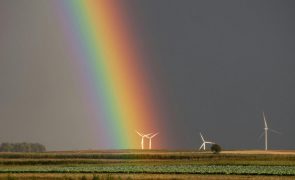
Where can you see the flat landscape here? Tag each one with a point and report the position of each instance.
(145, 164)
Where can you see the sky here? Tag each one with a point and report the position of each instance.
(215, 67)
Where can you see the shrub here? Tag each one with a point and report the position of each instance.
(215, 148)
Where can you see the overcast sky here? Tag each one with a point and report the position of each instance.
(216, 65)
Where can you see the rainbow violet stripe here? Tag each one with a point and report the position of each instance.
(112, 74)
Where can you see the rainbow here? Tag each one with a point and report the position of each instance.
(114, 81)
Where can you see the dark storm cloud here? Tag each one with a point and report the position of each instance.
(216, 66)
(219, 64)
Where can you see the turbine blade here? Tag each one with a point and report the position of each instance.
(277, 132)
(201, 146)
(202, 137)
(265, 124)
(261, 135)
(209, 142)
(138, 133)
(154, 135)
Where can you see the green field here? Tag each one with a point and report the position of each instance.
(136, 164)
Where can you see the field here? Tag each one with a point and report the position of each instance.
(156, 164)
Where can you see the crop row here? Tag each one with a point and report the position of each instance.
(190, 156)
(137, 162)
(162, 169)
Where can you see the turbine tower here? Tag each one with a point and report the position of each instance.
(204, 142)
(142, 138)
(150, 138)
(266, 132)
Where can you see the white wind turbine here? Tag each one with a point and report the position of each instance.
(142, 138)
(150, 138)
(204, 142)
(265, 131)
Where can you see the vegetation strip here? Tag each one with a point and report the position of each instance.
(164, 169)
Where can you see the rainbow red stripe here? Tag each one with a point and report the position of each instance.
(111, 71)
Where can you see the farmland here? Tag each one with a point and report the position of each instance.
(136, 164)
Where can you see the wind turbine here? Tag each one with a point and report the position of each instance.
(266, 130)
(150, 138)
(204, 142)
(142, 138)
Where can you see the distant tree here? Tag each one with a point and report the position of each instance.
(38, 147)
(215, 148)
(18, 147)
(35, 147)
(22, 147)
(42, 148)
(6, 147)
(27, 147)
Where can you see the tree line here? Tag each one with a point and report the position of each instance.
(22, 147)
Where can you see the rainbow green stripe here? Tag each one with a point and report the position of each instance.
(114, 80)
